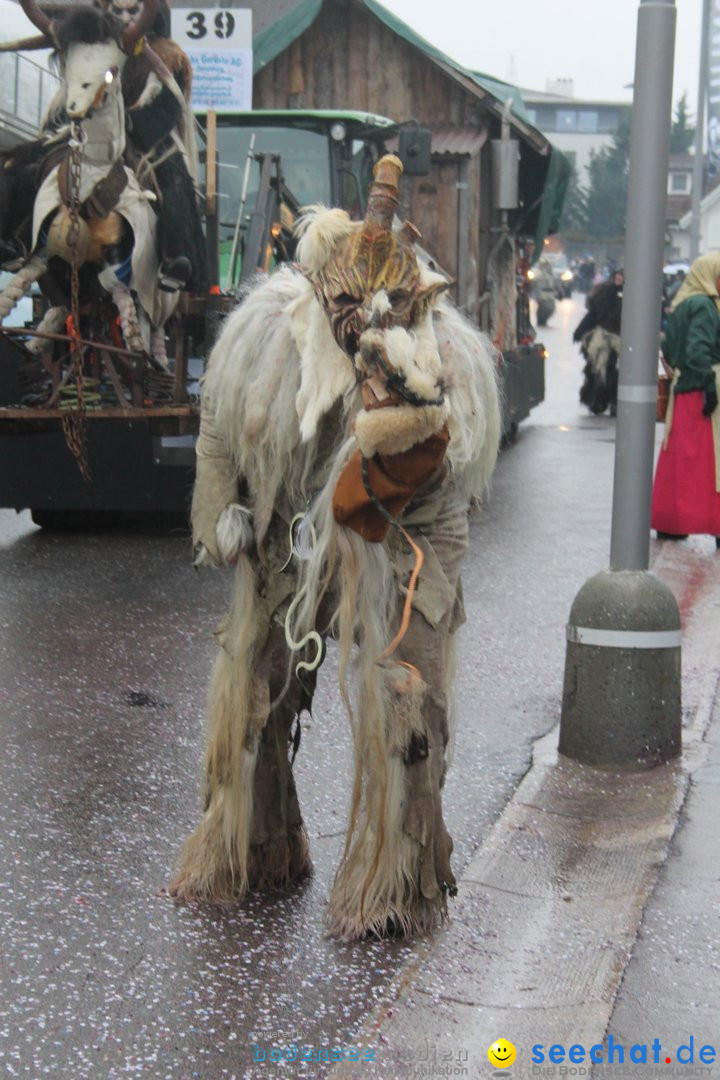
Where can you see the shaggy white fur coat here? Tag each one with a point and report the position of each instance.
(279, 401)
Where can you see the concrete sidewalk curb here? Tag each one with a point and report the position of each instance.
(551, 902)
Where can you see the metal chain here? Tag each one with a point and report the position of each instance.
(74, 421)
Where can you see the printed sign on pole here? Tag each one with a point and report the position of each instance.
(218, 42)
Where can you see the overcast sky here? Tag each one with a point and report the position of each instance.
(529, 41)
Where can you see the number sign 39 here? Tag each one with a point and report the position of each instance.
(212, 28)
(219, 44)
(222, 24)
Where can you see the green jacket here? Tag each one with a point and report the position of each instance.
(692, 343)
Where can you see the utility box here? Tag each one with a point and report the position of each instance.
(415, 149)
(506, 171)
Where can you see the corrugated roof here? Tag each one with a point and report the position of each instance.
(457, 141)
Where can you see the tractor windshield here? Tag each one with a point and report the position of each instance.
(304, 163)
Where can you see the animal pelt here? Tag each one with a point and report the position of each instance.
(87, 26)
(255, 392)
(179, 230)
(600, 374)
(20, 170)
(156, 125)
(177, 62)
(604, 309)
(281, 396)
(395, 429)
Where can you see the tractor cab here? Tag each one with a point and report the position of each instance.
(262, 167)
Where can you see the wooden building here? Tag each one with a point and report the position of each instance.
(354, 54)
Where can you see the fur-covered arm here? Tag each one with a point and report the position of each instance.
(221, 527)
(151, 120)
(588, 322)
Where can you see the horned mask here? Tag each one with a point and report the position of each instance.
(365, 275)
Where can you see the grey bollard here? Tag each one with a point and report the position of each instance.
(621, 695)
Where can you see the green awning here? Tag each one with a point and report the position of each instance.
(276, 37)
(545, 219)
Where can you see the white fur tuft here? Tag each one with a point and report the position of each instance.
(234, 532)
(326, 373)
(380, 304)
(202, 557)
(416, 358)
(320, 230)
(430, 279)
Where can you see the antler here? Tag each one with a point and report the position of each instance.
(144, 21)
(24, 44)
(38, 18)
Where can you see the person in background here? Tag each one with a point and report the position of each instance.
(544, 289)
(686, 492)
(674, 286)
(599, 334)
(586, 274)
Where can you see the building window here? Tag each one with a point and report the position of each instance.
(566, 120)
(587, 121)
(680, 183)
(608, 120)
(544, 117)
(532, 116)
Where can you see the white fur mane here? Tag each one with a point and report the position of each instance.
(259, 385)
(320, 231)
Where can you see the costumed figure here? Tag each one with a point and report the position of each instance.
(599, 334)
(350, 414)
(157, 83)
(686, 492)
(544, 283)
(78, 162)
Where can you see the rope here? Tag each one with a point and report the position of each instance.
(312, 635)
(158, 349)
(129, 324)
(50, 323)
(18, 285)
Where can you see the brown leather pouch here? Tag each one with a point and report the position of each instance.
(394, 479)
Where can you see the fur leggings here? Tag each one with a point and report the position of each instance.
(395, 872)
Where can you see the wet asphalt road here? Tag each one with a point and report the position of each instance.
(105, 652)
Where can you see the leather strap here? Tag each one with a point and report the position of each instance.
(104, 196)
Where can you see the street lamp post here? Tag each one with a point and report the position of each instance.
(621, 696)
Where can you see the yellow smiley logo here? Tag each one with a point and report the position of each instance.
(501, 1053)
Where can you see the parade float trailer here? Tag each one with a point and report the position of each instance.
(481, 184)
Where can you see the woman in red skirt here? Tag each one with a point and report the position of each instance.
(686, 495)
